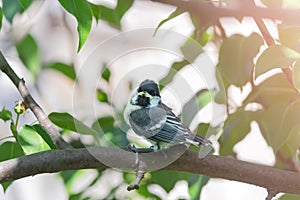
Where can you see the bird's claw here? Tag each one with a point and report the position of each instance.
(134, 149)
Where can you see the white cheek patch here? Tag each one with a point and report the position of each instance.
(154, 101)
(134, 99)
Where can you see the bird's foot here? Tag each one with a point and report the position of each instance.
(134, 149)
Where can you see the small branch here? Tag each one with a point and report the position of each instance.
(138, 179)
(205, 10)
(140, 172)
(32, 104)
(101, 157)
(271, 194)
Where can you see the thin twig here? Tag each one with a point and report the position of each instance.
(32, 104)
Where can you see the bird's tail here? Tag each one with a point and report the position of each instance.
(202, 141)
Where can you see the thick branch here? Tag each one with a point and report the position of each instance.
(100, 157)
(32, 104)
(206, 11)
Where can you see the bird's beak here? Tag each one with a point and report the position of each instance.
(146, 94)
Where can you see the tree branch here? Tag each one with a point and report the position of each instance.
(206, 11)
(32, 104)
(101, 157)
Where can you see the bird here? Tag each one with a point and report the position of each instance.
(150, 118)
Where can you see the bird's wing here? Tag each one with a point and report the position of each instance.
(182, 133)
(148, 122)
(160, 124)
(173, 130)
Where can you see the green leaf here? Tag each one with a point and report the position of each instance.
(12, 7)
(112, 16)
(275, 56)
(206, 37)
(65, 69)
(289, 150)
(122, 7)
(289, 197)
(31, 141)
(272, 3)
(281, 107)
(221, 96)
(236, 58)
(278, 122)
(196, 103)
(44, 135)
(191, 49)
(81, 11)
(296, 75)
(96, 10)
(67, 121)
(205, 130)
(29, 54)
(290, 37)
(5, 115)
(236, 127)
(6, 185)
(105, 73)
(168, 179)
(176, 66)
(1, 15)
(102, 96)
(105, 126)
(77, 196)
(274, 90)
(10, 150)
(174, 14)
(196, 183)
(70, 177)
(25, 4)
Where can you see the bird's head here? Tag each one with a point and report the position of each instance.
(147, 94)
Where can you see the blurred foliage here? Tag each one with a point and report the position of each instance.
(196, 103)
(273, 101)
(276, 56)
(105, 73)
(1, 14)
(5, 115)
(109, 132)
(289, 197)
(102, 96)
(111, 16)
(29, 54)
(67, 121)
(12, 7)
(174, 14)
(239, 71)
(65, 69)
